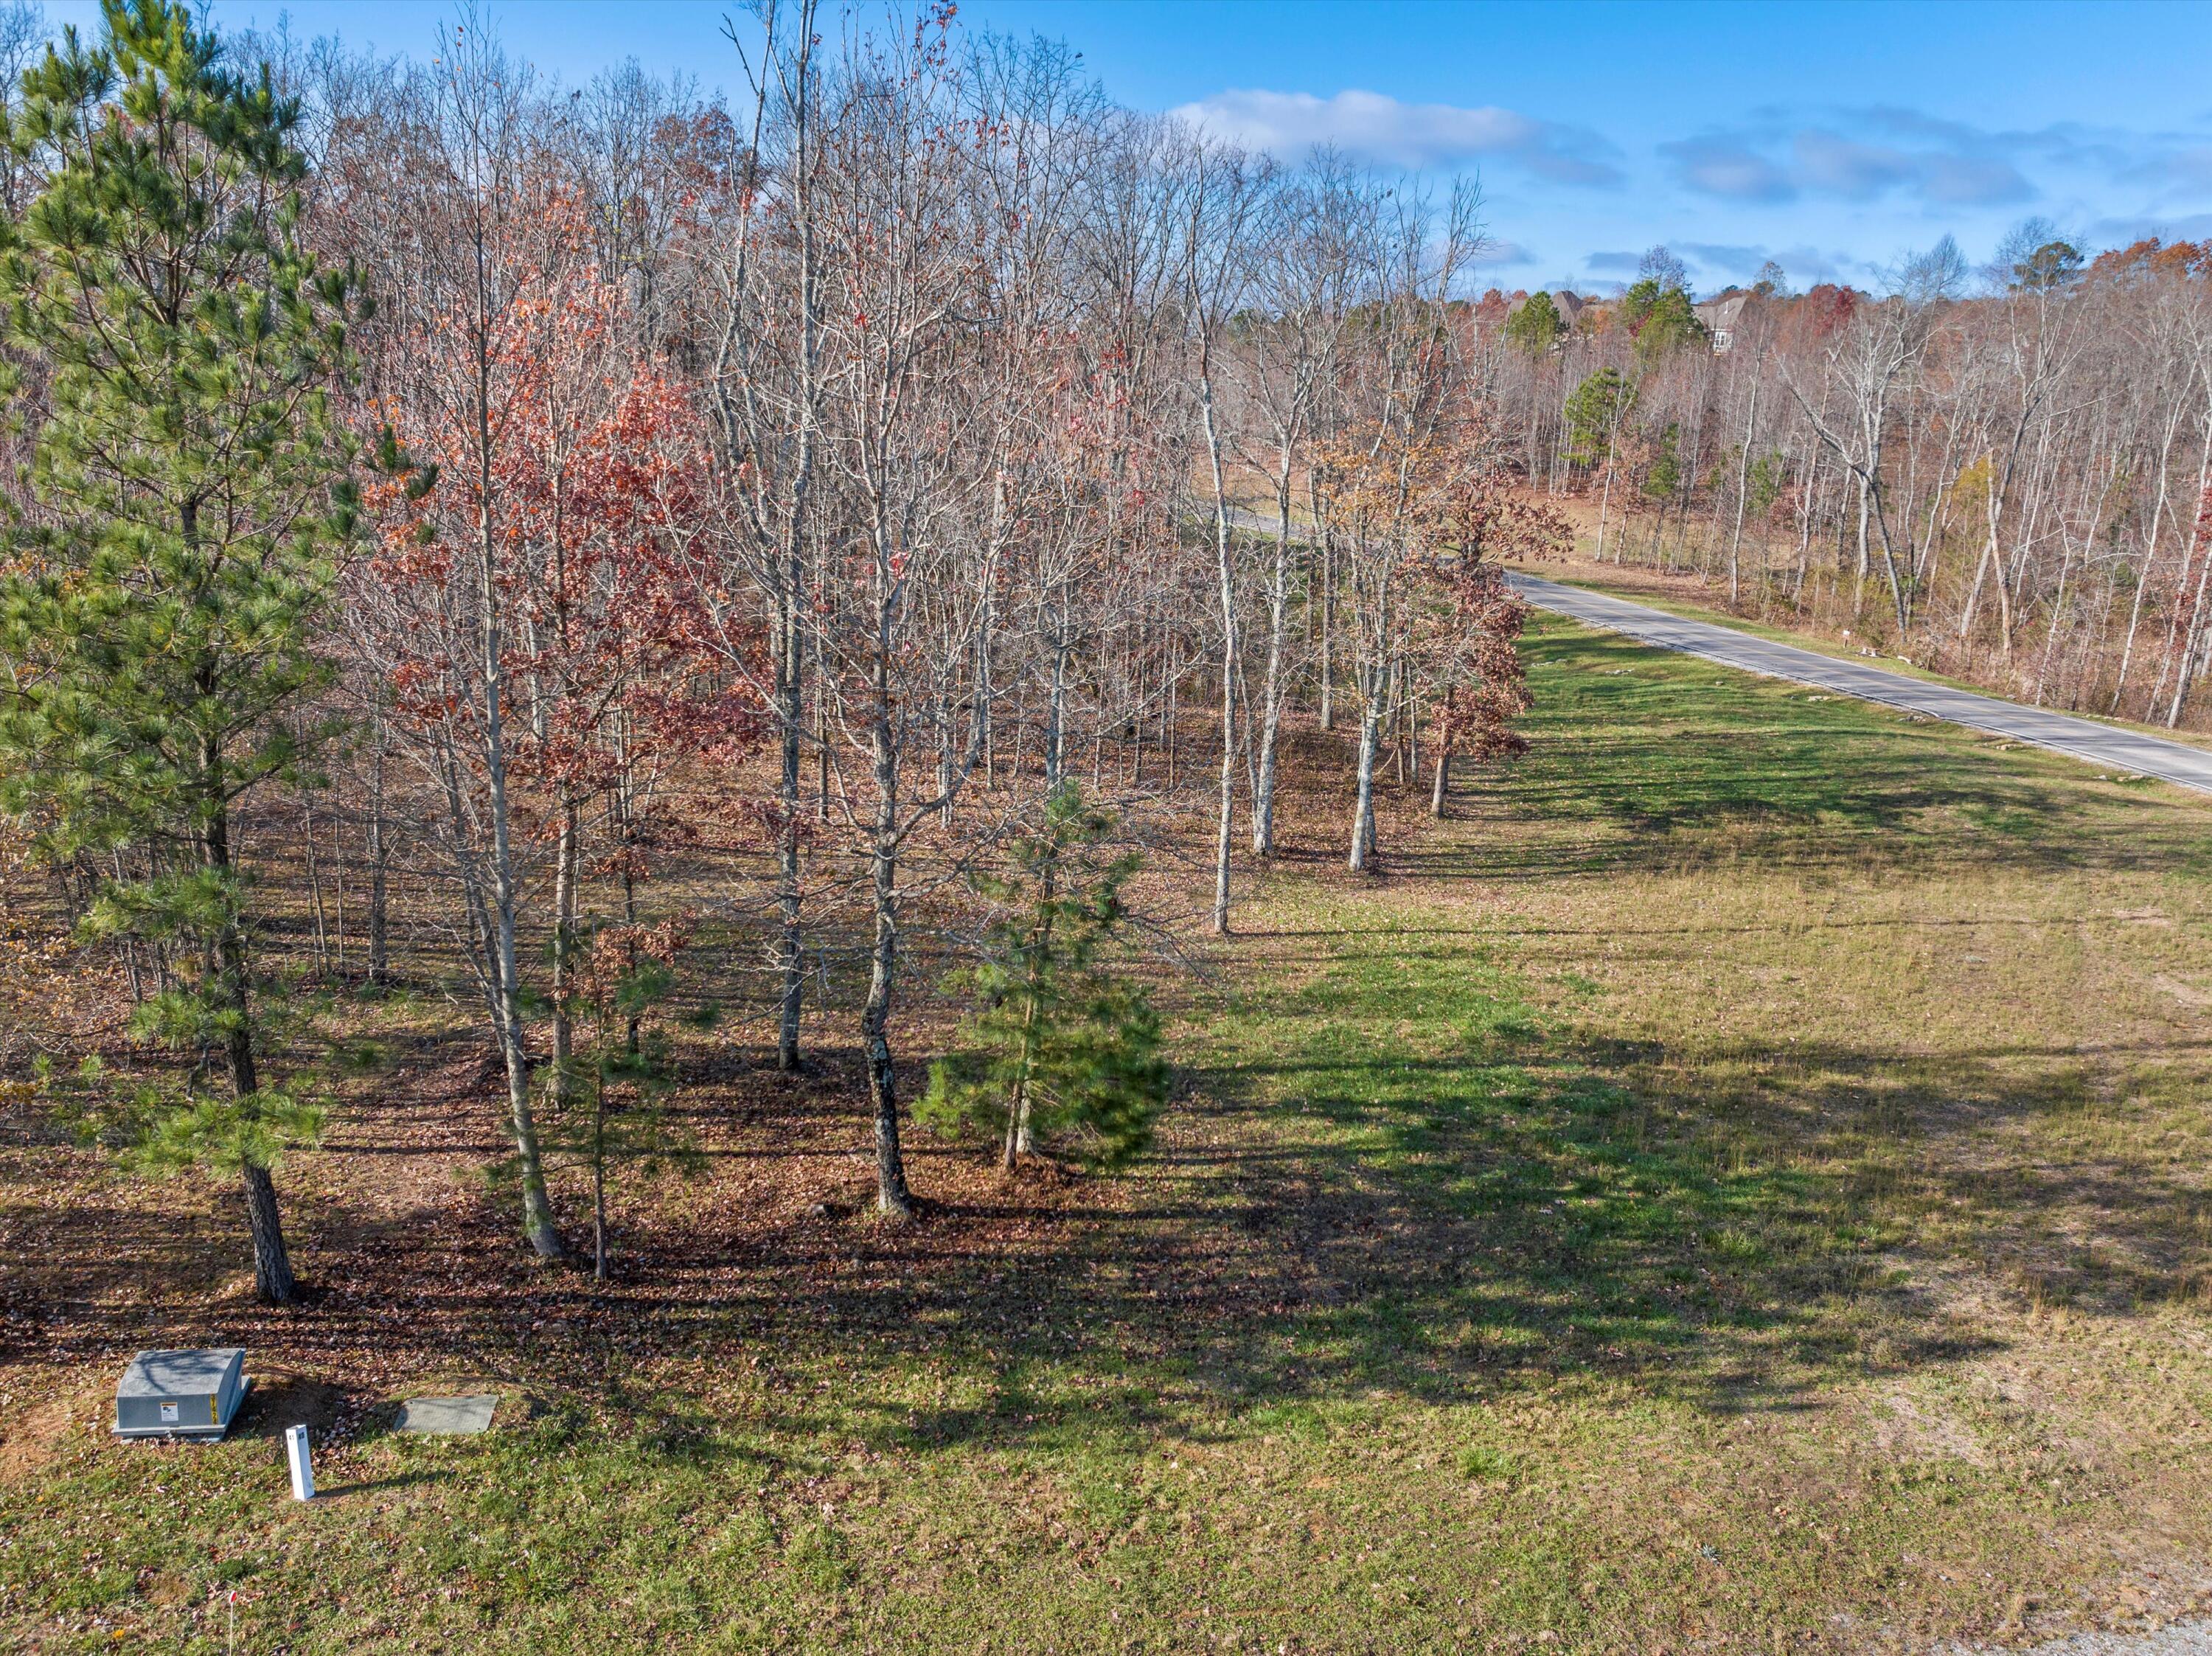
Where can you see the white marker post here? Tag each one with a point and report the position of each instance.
(303, 1474)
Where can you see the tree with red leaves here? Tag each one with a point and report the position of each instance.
(1475, 681)
(536, 638)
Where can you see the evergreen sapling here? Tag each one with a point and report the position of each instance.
(1060, 1049)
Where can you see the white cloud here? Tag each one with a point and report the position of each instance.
(1855, 171)
(2118, 232)
(1379, 128)
(1729, 168)
(1499, 253)
(1963, 168)
(1727, 259)
(1802, 264)
(1972, 181)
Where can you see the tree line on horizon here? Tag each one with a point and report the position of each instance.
(2000, 473)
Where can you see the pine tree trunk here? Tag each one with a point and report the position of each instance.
(273, 1282)
(1018, 1141)
(272, 1265)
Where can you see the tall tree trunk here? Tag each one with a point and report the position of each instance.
(1225, 570)
(1742, 481)
(380, 860)
(273, 1282)
(599, 1182)
(272, 1264)
(1055, 711)
(1271, 691)
(564, 949)
(1327, 612)
(893, 1200)
(1605, 495)
(2185, 665)
(791, 943)
(537, 1226)
(1363, 809)
(2150, 556)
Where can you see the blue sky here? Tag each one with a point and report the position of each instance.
(1829, 136)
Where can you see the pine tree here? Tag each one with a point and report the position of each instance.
(1662, 478)
(610, 1111)
(1536, 326)
(1595, 412)
(160, 618)
(1661, 319)
(1060, 1046)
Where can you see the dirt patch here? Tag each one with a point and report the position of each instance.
(39, 1435)
(2187, 994)
(1910, 1429)
(167, 1590)
(280, 1401)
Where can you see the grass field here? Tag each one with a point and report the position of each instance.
(1738, 1183)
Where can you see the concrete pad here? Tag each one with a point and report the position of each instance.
(448, 1417)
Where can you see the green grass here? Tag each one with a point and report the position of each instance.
(1737, 1183)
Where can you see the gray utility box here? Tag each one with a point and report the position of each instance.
(180, 1393)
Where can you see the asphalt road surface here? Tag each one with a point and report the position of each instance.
(2181, 1638)
(2108, 746)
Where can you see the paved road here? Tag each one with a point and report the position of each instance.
(2181, 1639)
(2106, 746)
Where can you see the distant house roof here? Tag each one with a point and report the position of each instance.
(1490, 319)
(1723, 317)
(1567, 305)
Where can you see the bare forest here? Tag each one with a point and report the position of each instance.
(1999, 474)
(750, 517)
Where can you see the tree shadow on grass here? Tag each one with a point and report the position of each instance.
(1413, 1190)
(1390, 1177)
